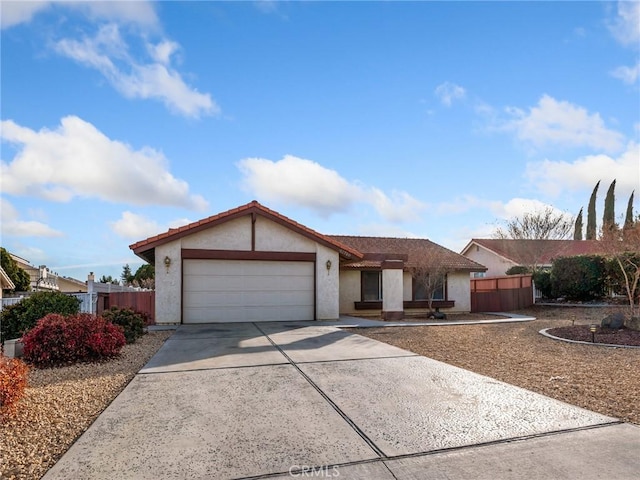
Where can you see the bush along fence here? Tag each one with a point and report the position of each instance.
(99, 298)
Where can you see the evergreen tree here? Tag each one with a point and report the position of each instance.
(577, 232)
(126, 275)
(609, 217)
(628, 219)
(109, 279)
(591, 214)
(18, 275)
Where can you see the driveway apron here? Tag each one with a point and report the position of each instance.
(303, 400)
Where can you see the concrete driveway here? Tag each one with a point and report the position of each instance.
(302, 400)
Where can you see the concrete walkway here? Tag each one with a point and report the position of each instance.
(270, 400)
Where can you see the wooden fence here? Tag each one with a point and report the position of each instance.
(143, 302)
(501, 294)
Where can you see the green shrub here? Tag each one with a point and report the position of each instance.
(13, 381)
(59, 340)
(579, 278)
(131, 321)
(20, 318)
(542, 279)
(518, 270)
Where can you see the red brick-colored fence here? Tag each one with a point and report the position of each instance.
(501, 294)
(143, 302)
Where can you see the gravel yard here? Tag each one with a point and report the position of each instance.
(61, 403)
(601, 379)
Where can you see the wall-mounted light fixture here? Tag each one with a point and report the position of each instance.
(167, 262)
(328, 264)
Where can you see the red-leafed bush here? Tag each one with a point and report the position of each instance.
(59, 340)
(13, 381)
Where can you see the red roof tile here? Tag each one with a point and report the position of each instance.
(542, 251)
(412, 248)
(143, 248)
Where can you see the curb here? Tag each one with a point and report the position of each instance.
(580, 342)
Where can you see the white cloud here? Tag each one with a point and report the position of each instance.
(517, 207)
(447, 92)
(139, 12)
(108, 53)
(625, 27)
(562, 123)
(300, 181)
(628, 75)
(163, 51)
(307, 183)
(133, 226)
(16, 12)
(554, 177)
(77, 159)
(400, 207)
(12, 226)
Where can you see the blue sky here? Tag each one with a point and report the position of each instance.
(422, 119)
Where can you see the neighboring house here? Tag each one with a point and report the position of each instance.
(499, 255)
(41, 277)
(71, 285)
(5, 282)
(254, 264)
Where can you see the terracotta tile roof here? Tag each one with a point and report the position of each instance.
(542, 251)
(412, 248)
(144, 248)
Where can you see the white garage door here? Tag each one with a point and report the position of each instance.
(247, 291)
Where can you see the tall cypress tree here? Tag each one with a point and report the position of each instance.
(609, 217)
(591, 214)
(628, 219)
(577, 231)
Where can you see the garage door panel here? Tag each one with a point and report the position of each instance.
(247, 290)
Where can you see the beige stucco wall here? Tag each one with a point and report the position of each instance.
(231, 235)
(236, 235)
(327, 284)
(496, 265)
(459, 289)
(349, 291)
(168, 283)
(70, 286)
(392, 290)
(273, 237)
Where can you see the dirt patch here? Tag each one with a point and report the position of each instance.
(602, 379)
(582, 333)
(61, 403)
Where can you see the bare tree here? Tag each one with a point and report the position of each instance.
(429, 270)
(546, 224)
(624, 249)
(533, 238)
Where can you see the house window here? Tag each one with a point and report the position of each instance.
(420, 289)
(371, 286)
(478, 274)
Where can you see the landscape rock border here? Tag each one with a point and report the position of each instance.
(545, 332)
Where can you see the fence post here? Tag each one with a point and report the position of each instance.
(90, 287)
